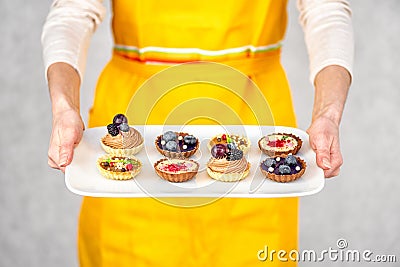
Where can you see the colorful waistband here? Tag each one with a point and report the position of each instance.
(170, 55)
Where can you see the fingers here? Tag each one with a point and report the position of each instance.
(336, 159)
(61, 155)
(324, 140)
(62, 143)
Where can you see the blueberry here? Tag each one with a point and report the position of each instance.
(124, 127)
(291, 160)
(169, 136)
(171, 146)
(190, 140)
(120, 118)
(270, 162)
(284, 169)
(231, 146)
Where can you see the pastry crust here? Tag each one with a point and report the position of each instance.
(176, 177)
(127, 175)
(179, 154)
(272, 152)
(285, 178)
(121, 151)
(229, 177)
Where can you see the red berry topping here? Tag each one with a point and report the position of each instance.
(129, 166)
(277, 143)
(224, 137)
(174, 167)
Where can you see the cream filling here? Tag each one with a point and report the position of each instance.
(275, 137)
(124, 140)
(225, 166)
(185, 165)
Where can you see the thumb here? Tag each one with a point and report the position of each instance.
(66, 150)
(66, 153)
(322, 151)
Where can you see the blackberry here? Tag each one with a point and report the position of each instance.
(234, 154)
(113, 129)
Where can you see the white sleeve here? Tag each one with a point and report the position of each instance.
(67, 31)
(328, 34)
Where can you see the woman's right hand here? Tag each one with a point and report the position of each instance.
(67, 131)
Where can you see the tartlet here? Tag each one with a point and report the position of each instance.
(176, 170)
(283, 168)
(280, 144)
(227, 165)
(121, 139)
(176, 144)
(118, 167)
(232, 140)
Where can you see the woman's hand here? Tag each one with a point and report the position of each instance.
(67, 129)
(324, 140)
(65, 136)
(331, 87)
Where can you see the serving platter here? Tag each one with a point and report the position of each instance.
(83, 178)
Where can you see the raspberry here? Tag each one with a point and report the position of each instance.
(113, 129)
(129, 166)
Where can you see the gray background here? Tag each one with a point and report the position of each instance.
(38, 214)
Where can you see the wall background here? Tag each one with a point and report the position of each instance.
(38, 214)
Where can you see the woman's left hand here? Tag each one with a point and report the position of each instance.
(324, 140)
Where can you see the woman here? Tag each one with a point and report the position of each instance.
(149, 37)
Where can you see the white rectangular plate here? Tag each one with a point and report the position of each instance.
(83, 178)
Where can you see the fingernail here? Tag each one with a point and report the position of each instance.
(326, 163)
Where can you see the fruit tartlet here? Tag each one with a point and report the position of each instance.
(176, 170)
(119, 167)
(280, 144)
(283, 168)
(176, 144)
(121, 139)
(231, 140)
(227, 164)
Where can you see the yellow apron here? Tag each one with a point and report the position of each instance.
(230, 231)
